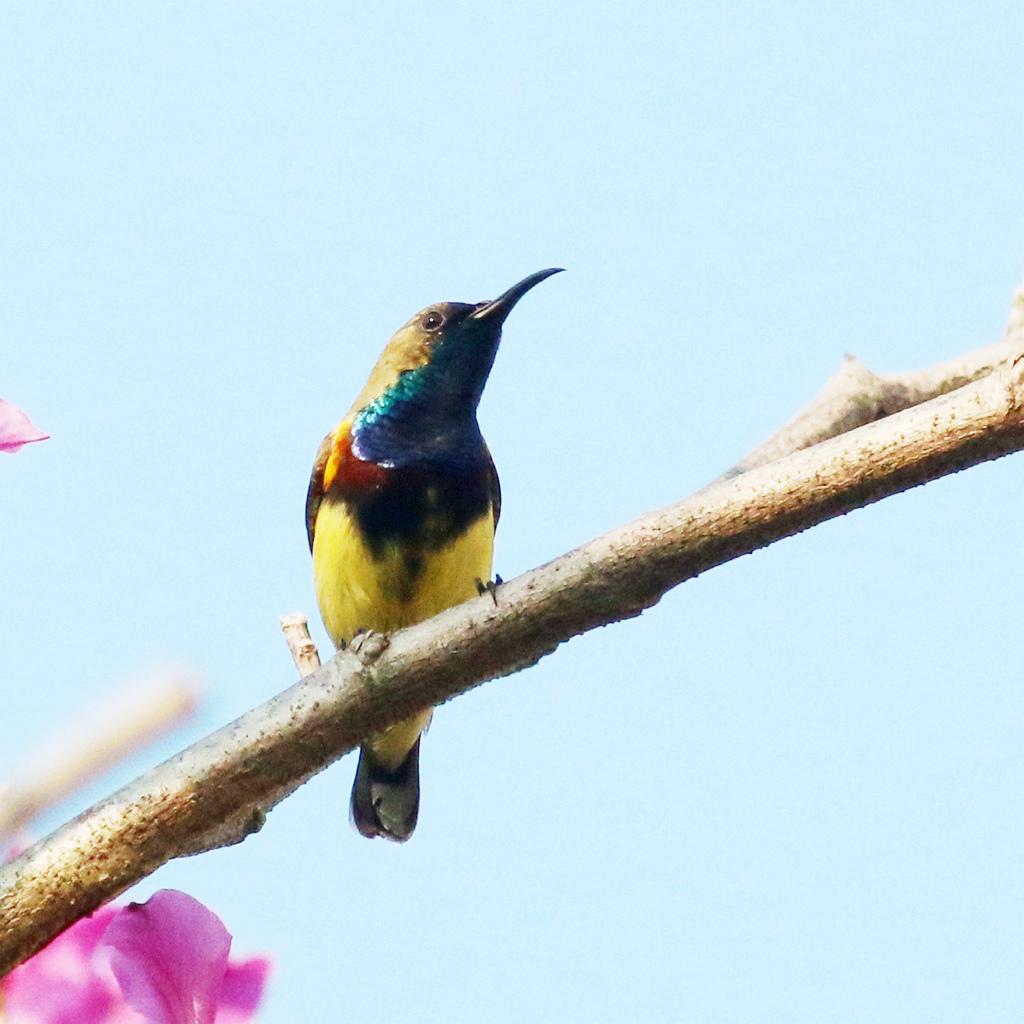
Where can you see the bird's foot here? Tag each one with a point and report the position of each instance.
(491, 587)
(347, 645)
(368, 641)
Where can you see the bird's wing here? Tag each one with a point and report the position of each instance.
(316, 486)
(495, 486)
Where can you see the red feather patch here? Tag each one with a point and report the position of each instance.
(346, 470)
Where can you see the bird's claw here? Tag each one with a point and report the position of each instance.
(491, 587)
(361, 635)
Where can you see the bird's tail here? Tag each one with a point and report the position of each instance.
(386, 801)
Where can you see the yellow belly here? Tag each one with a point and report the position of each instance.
(356, 591)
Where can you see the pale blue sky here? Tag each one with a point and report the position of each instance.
(791, 792)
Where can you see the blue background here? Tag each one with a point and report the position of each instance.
(789, 792)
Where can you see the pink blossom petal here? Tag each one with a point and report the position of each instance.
(242, 990)
(16, 428)
(59, 985)
(169, 956)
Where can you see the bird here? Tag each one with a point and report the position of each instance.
(401, 510)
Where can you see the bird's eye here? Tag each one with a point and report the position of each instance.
(433, 320)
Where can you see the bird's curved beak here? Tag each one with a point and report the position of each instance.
(500, 308)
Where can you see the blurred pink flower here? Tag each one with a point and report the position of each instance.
(16, 428)
(160, 962)
(63, 984)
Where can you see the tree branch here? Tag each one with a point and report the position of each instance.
(219, 790)
(121, 726)
(855, 395)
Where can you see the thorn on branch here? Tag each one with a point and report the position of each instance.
(300, 643)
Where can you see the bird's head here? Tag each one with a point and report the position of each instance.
(437, 364)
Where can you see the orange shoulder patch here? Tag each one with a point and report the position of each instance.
(334, 456)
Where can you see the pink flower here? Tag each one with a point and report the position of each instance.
(160, 962)
(170, 957)
(16, 428)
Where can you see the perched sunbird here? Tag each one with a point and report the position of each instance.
(401, 511)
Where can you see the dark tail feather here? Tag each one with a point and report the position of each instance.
(386, 802)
